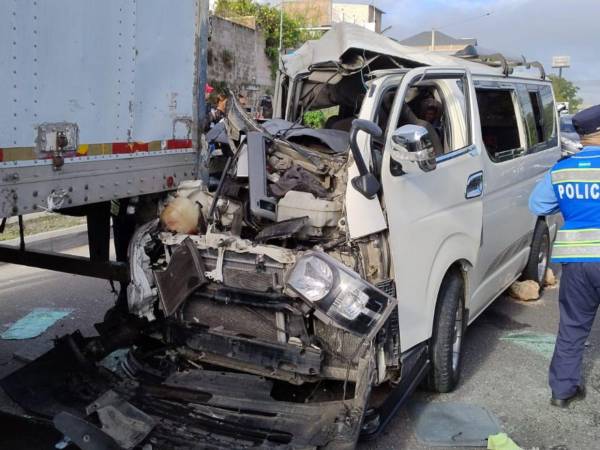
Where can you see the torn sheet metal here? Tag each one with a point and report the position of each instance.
(140, 296)
(35, 323)
(344, 38)
(184, 274)
(234, 244)
(120, 420)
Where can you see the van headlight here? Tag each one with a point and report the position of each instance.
(339, 295)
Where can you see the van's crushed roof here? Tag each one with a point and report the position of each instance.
(346, 37)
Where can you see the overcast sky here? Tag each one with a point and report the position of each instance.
(537, 29)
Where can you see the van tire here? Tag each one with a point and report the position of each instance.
(446, 358)
(539, 256)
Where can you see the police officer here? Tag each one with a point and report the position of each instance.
(572, 187)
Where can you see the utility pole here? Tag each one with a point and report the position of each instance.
(281, 27)
(489, 13)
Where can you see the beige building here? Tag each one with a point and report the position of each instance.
(365, 15)
(437, 41)
(324, 13)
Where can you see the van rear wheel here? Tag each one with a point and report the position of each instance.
(539, 256)
(448, 331)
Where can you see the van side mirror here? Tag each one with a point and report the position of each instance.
(413, 143)
(366, 183)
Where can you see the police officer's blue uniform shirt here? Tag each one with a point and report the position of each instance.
(573, 187)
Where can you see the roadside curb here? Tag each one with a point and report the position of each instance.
(53, 241)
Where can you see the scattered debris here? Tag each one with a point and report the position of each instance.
(524, 290)
(501, 441)
(541, 343)
(35, 323)
(550, 279)
(113, 360)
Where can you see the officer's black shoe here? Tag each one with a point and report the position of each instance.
(565, 402)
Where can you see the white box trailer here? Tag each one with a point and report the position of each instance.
(99, 100)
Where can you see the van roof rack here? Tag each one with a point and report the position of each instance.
(495, 59)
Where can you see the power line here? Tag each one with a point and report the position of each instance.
(488, 13)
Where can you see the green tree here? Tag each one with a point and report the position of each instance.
(566, 91)
(267, 20)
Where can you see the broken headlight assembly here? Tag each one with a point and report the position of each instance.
(339, 295)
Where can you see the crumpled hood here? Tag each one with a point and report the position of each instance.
(336, 140)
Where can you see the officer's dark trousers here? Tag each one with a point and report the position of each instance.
(579, 297)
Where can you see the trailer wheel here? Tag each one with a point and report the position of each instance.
(539, 256)
(448, 330)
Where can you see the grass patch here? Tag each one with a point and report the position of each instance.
(49, 222)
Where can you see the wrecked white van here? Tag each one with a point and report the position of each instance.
(299, 293)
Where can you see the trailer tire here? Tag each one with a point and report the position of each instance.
(539, 256)
(448, 331)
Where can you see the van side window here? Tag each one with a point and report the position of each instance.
(537, 104)
(549, 115)
(499, 127)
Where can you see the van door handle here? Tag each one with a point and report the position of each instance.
(474, 185)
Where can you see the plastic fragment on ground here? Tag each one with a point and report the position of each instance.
(35, 323)
(524, 290)
(501, 441)
(550, 278)
(452, 424)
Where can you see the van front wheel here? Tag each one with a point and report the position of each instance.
(539, 256)
(448, 331)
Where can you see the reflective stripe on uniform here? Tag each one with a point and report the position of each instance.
(587, 235)
(576, 251)
(575, 175)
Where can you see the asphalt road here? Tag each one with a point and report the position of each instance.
(503, 375)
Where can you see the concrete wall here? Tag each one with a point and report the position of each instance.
(236, 56)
